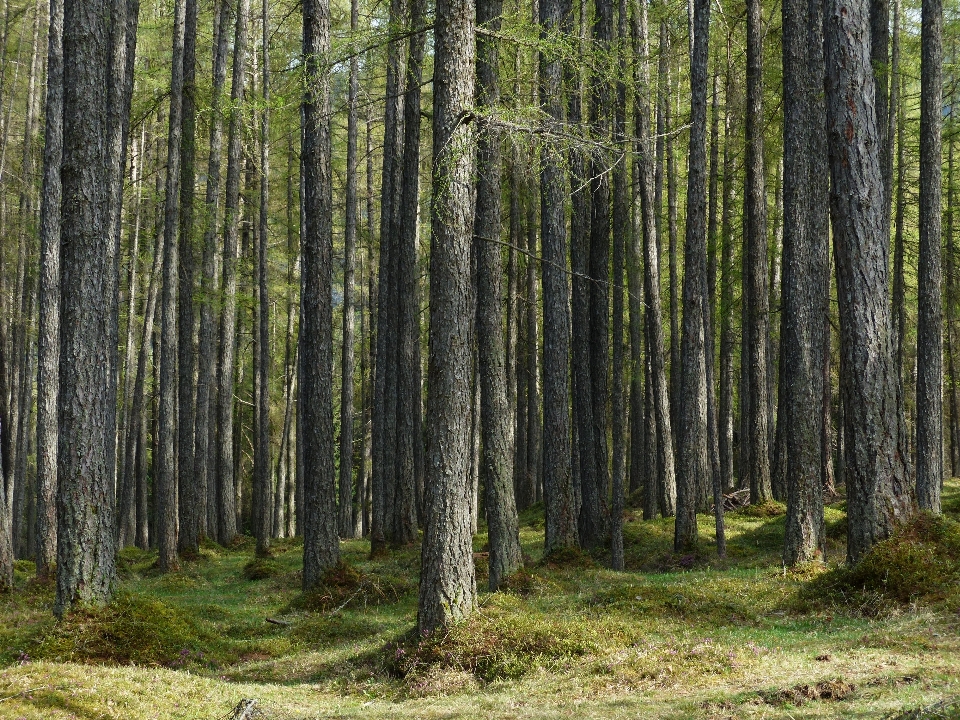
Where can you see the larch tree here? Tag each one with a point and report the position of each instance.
(879, 492)
(321, 540)
(448, 589)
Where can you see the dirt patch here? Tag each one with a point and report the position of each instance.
(800, 694)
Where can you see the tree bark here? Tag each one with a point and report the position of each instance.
(692, 433)
(447, 582)
(930, 277)
(86, 545)
(878, 479)
(321, 542)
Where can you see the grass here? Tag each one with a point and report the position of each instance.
(672, 637)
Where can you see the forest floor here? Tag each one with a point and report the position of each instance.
(686, 636)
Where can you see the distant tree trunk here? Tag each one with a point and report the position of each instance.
(448, 586)
(879, 59)
(601, 112)
(48, 333)
(930, 278)
(495, 421)
(189, 497)
(321, 542)
(657, 388)
(755, 212)
(406, 334)
(806, 282)
(86, 547)
(384, 394)
(666, 88)
(727, 271)
(166, 479)
(349, 254)
(950, 299)
(205, 430)
(560, 515)
(878, 481)
(263, 496)
(227, 520)
(692, 433)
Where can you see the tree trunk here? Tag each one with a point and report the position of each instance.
(321, 542)
(727, 271)
(189, 501)
(495, 421)
(692, 433)
(929, 279)
(48, 333)
(806, 282)
(227, 520)
(86, 546)
(448, 585)
(878, 480)
(755, 212)
(205, 430)
(899, 304)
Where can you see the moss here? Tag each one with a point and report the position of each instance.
(261, 568)
(132, 629)
(344, 586)
(569, 557)
(767, 509)
(920, 562)
(327, 629)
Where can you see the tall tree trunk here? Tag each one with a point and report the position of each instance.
(166, 480)
(321, 543)
(878, 479)
(227, 520)
(899, 303)
(407, 307)
(692, 433)
(666, 89)
(560, 515)
(263, 495)
(755, 212)
(85, 540)
(448, 586)
(495, 421)
(48, 333)
(806, 282)
(205, 430)
(349, 254)
(189, 497)
(929, 278)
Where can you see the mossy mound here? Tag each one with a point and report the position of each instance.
(493, 646)
(569, 557)
(344, 586)
(133, 629)
(764, 510)
(920, 562)
(261, 568)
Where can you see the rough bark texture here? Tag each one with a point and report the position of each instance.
(205, 436)
(878, 485)
(930, 277)
(448, 591)
(226, 489)
(321, 542)
(727, 270)
(806, 277)
(692, 433)
(86, 545)
(755, 211)
(560, 526)
(48, 334)
(496, 425)
(188, 497)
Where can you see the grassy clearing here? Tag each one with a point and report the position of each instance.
(673, 637)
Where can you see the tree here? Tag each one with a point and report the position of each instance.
(806, 277)
(878, 487)
(321, 541)
(560, 529)
(85, 540)
(447, 582)
(495, 422)
(692, 433)
(930, 276)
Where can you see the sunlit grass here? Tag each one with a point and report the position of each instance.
(672, 637)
